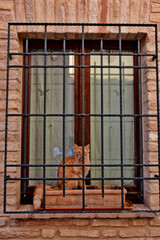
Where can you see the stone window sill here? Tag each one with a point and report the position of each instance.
(83, 215)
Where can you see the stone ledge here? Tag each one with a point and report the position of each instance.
(129, 215)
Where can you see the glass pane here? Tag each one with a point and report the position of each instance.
(111, 105)
(54, 105)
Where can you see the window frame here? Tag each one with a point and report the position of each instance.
(133, 191)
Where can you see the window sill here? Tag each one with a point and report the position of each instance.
(130, 214)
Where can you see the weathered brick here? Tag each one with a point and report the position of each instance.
(19, 233)
(13, 126)
(134, 11)
(80, 222)
(100, 222)
(153, 147)
(155, 221)
(114, 13)
(6, 5)
(124, 11)
(133, 232)
(48, 233)
(109, 233)
(50, 11)
(40, 12)
(155, 17)
(3, 221)
(93, 14)
(144, 11)
(155, 232)
(2, 126)
(29, 11)
(155, 7)
(81, 11)
(139, 222)
(79, 233)
(110, 222)
(6, 16)
(20, 12)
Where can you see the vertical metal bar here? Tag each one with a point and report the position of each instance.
(83, 190)
(140, 118)
(157, 87)
(6, 123)
(102, 151)
(121, 119)
(44, 117)
(25, 117)
(64, 96)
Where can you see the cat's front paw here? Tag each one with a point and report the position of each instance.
(36, 203)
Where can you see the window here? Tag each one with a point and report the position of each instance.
(73, 105)
(83, 92)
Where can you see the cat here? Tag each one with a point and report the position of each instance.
(70, 172)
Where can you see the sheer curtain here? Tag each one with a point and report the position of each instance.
(111, 105)
(54, 125)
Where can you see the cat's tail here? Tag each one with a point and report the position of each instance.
(38, 195)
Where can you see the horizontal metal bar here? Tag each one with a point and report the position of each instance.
(80, 54)
(79, 115)
(80, 66)
(83, 24)
(84, 211)
(89, 178)
(80, 165)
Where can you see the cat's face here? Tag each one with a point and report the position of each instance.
(78, 151)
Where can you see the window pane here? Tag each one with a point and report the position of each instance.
(54, 105)
(111, 105)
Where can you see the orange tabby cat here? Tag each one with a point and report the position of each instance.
(70, 172)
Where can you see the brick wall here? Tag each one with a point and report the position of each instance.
(77, 226)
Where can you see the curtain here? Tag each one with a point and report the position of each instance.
(54, 125)
(111, 125)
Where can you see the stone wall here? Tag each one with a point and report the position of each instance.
(77, 226)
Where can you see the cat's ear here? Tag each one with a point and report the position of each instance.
(87, 147)
(75, 146)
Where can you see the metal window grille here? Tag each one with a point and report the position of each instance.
(82, 66)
